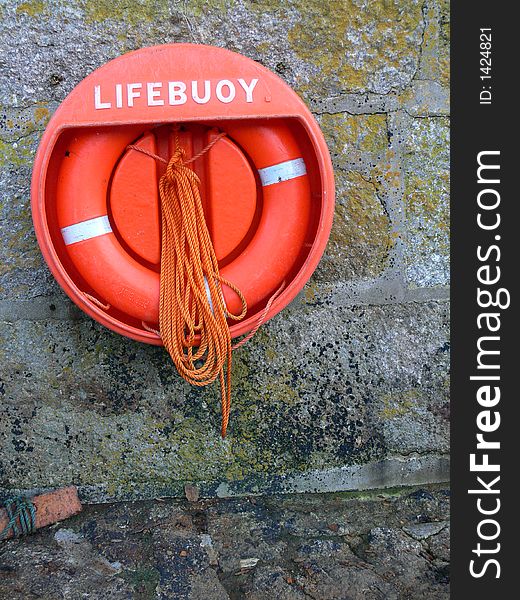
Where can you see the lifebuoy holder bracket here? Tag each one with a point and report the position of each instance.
(268, 185)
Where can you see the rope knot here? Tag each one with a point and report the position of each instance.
(176, 161)
(21, 517)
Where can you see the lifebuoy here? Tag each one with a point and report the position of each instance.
(269, 182)
(132, 287)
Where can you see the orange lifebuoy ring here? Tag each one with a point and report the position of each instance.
(268, 185)
(131, 287)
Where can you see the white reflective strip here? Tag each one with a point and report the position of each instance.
(86, 230)
(208, 294)
(282, 171)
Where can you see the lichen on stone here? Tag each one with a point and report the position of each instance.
(132, 12)
(435, 50)
(361, 238)
(335, 379)
(346, 133)
(359, 46)
(426, 204)
(32, 8)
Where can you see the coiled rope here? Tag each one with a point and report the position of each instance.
(21, 515)
(192, 311)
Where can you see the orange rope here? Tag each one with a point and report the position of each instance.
(189, 269)
(97, 302)
(193, 323)
(261, 320)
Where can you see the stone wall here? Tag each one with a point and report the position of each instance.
(347, 388)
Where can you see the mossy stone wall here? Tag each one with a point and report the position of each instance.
(348, 387)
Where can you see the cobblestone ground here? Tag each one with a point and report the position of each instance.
(332, 546)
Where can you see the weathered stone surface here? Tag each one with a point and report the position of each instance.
(346, 389)
(361, 239)
(422, 531)
(425, 143)
(435, 47)
(322, 386)
(358, 46)
(426, 98)
(22, 270)
(392, 49)
(346, 132)
(293, 547)
(353, 374)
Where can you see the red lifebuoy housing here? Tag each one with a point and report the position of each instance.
(121, 280)
(267, 187)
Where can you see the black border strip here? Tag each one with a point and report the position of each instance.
(475, 128)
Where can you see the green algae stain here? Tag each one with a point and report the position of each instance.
(352, 44)
(198, 8)
(133, 12)
(144, 579)
(398, 404)
(346, 133)
(435, 63)
(361, 236)
(32, 9)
